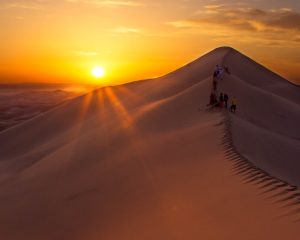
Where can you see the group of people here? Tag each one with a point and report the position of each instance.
(222, 100)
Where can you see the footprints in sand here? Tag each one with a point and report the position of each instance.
(281, 193)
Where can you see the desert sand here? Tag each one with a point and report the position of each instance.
(146, 160)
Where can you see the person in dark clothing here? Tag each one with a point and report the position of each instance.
(227, 70)
(221, 100)
(215, 74)
(212, 99)
(226, 98)
(215, 85)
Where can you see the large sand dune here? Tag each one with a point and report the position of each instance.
(145, 161)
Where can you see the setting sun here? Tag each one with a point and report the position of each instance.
(98, 72)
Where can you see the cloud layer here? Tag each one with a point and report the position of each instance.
(109, 3)
(22, 5)
(279, 25)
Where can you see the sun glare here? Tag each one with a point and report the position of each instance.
(98, 72)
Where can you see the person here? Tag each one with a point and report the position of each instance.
(221, 100)
(215, 84)
(227, 70)
(217, 69)
(233, 105)
(221, 70)
(215, 74)
(212, 99)
(226, 100)
(213, 102)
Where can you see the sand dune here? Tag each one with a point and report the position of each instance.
(145, 160)
(266, 129)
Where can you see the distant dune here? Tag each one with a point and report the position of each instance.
(148, 160)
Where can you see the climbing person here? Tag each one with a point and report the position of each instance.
(221, 100)
(213, 102)
(215, 74)
(217, 69)
(233, 105)
(215, 99)
(211, 99)
(226, 98)
(221, 70)
(226, 70)
(215, 83)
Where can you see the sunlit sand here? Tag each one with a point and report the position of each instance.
(148, 160)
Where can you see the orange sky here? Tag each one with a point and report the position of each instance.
(61, 41)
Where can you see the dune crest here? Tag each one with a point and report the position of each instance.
(145, 160)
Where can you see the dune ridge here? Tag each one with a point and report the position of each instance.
(146, 160)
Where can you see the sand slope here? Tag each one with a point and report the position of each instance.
(146, 161)
(266, 129)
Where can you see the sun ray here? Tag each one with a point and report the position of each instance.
(133, 96)
(108, 100)
(79, 122)
(126, 119)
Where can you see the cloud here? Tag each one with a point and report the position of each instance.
(85, 53)
(251, 18)
(22, 5)
(276, 26)
(118, 3)
(284, 20)
(20, 18)
(126, 30)
(109, 3)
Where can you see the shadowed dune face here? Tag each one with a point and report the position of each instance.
(265, 130)
(144, 160)
(258, 76)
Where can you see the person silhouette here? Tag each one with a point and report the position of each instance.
(221, 100)
(215, 84)
(226, 98)
(226, 70)
(233, 105)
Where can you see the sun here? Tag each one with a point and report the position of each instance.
(98, 72)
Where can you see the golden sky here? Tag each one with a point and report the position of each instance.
(62, 40)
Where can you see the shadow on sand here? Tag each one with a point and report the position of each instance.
(284, 195)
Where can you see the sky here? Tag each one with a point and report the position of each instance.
(62, 40)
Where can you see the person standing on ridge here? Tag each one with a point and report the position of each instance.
(226, 98)
(215, 74)
(217, 70)
(226, 70)
(233, 105)
(221, 100)
(211, 99)
(215, 85)
(221, 70)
